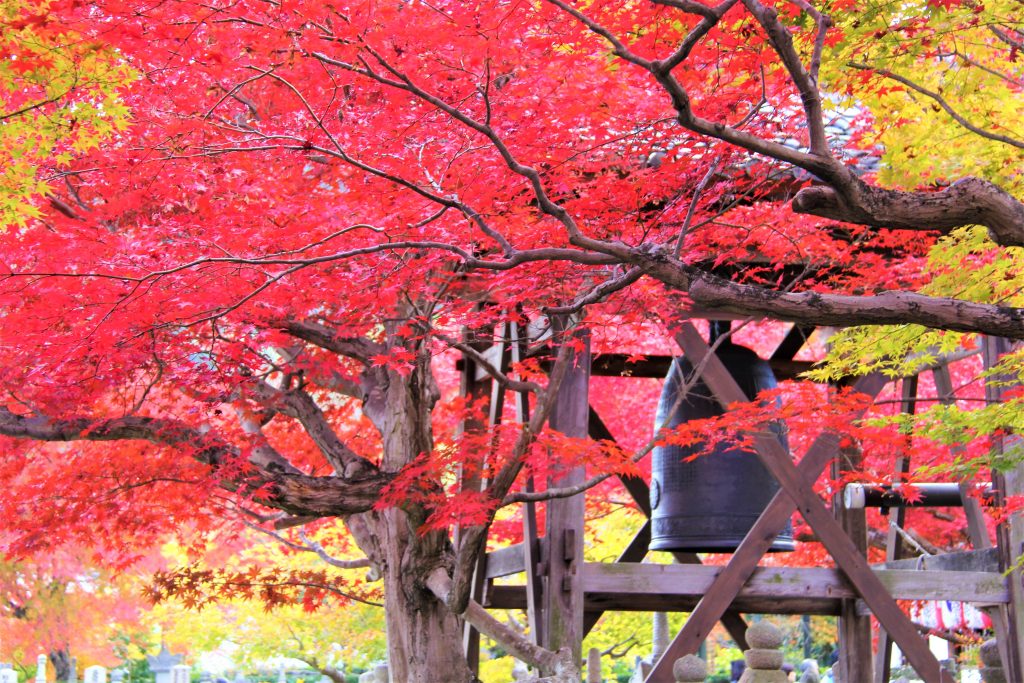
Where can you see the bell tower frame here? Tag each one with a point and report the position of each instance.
(565, 596)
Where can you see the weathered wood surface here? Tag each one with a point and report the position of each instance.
(561, 614)
(474, 388)
(778, 590)
(986, 560)
(855, 652)
(794, 582)
(1009, 534)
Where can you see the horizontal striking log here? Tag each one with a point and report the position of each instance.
(985, 560)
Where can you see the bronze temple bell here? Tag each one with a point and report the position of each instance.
(709, 504)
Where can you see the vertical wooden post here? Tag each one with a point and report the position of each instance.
(1000, 614)
(473, 389)
(854, 665)
(531, 534)
(893, 540)
(562, 623)
(1009, 534)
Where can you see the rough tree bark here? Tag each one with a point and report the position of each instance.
(61, 660)
(424, 636)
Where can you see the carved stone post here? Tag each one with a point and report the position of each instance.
(690, 669)
(764, 658)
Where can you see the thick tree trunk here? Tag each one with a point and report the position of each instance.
(424, 636)
(61, 660)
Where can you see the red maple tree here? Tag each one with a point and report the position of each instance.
(262, 286)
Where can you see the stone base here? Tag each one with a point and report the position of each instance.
(763, 676)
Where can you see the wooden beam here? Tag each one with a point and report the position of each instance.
(1010, 533)
(657, 366)
(532, 543)
(637, 587)
(791, 344)
(800, 490)
(636, 579)
(561, 618)
(505, 561)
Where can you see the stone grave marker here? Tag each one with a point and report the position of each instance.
(41, 669)
(181, 673)
(95, 674)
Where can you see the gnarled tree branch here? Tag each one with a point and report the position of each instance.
(297, 494)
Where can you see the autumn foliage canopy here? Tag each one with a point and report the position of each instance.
(247, 241)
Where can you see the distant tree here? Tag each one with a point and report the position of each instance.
(65, 606)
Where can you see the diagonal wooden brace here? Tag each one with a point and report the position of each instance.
(797, 493)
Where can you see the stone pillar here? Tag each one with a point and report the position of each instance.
(659, 636)
(764, 658)
(73, 670)
(991, 664)
(810, 673)
(378, 674)
(690, 669)
(282, 676)
(594, 666)
(41, 669)
(8, 675)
